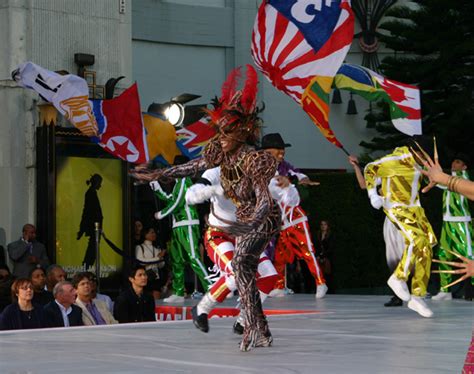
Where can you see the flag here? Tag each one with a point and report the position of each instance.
(196, 136)
(121, 130)
(299, 46)
(115, 124)
(161, 138)
(403, 99)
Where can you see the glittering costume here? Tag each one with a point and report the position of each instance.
(245, 175)
(456, 233)
(400, 201)
(185, 235)
(295, 236)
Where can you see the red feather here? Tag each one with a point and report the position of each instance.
(249, 93)
(230, 85)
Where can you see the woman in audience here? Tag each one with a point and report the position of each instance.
(38, 280)
(22, 313)
(6, 281)
(147, 252)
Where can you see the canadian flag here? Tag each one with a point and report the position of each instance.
(121, 130)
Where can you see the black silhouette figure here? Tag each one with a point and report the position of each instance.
(91, 213)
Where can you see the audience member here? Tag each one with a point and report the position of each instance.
(99, 296)
(94, 312)
(22, 313)
(27, 253)
(54, 274)
(325, 253)
(146, 251)
(134, 304)
(38, 280)
(62, 312)
(6, 281)
(137, 231)
(3, 260)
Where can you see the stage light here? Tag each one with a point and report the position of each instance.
(174, 113)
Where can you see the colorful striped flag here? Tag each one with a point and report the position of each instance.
(195, 137)
(403, 99)
(299, 46)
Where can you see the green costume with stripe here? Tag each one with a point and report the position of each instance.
(456, 233)
(185, 236)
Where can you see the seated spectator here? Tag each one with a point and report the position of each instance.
(54, 274)
(3, 260)
(145, 252)
(99, 296)
(134, 304)
(6, 281)
(27, 253)
(94, 312)
(38, 280)
(22, 313)
(62, 312)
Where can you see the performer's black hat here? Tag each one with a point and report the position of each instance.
(273, 141)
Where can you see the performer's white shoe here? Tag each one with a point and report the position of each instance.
(442, 296)
(399, 287)
(418, 305)
(277, 292)
(321, 291)
(174, 299)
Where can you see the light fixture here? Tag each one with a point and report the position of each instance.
(336, 97)
(174, 113)
(351, 106)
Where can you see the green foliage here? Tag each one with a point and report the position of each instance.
(434, 49)
(357, 228)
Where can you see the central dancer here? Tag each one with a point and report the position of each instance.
(245, 176)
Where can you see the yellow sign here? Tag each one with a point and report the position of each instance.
(88, 190)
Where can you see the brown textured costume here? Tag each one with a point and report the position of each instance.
(245, 176)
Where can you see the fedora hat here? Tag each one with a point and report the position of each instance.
(273, 141)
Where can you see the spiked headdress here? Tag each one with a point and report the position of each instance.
(236, 110)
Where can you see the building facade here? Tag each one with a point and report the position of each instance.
(169, 47)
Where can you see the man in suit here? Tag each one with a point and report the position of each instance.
(62, 312)
(27, 253)
(94, 311)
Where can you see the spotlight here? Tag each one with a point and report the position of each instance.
(174, 113)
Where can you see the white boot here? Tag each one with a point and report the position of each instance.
(321, 291)
(442, 296)
(418, 305)
(399, 287)
(277, 292)
(206, 304)
(174, 299)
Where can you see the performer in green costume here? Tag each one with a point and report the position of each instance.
(184, 238)
(456, 233)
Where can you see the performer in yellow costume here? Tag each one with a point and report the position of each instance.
(400, 182)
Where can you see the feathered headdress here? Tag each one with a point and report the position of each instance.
(236, 110)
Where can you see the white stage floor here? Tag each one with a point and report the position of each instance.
(351, 334)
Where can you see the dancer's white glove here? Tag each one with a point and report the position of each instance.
(198, 193)
(375, 199)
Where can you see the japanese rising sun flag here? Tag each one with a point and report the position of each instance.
(403, 99)
(299, 46)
